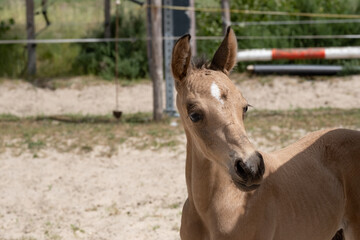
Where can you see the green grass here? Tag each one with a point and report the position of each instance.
(154, 228)
(307, 119)
(76, 229)
(175, 205)
(81, 134)
(69, 19)
(284, 127)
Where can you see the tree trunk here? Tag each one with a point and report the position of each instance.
(192, 28)
(44, 5)
(148, 36)
(30, 29)
(225, 5)
(157, 58)
(107, 7)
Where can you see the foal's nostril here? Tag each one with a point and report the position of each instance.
(261, 164)
(241, 169)
(253, 169)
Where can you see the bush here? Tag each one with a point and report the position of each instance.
(99, 58)
(11, 56)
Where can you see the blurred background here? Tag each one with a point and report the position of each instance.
(83, 19)
(70, 170)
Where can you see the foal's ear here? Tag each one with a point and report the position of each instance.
(181, 56)
(225, 57)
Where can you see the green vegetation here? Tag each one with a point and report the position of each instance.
(284, 127)
(76, 229)
(209, 24)
(99, 58)
(81, 134)
(69, 19)
(155, 227)
(6, 66)
(84, 19)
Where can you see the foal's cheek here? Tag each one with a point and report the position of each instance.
(213, 144)
(205, 137)
(206, 140)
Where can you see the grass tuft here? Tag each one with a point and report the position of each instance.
(84, 133)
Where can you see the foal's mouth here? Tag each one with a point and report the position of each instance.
(244, 187)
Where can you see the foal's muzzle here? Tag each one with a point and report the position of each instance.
(249, 172)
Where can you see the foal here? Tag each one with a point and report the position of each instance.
(307, 191)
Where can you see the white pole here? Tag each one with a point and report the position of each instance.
(342, 53)
(298, 53)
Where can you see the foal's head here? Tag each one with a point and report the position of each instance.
(212, 110)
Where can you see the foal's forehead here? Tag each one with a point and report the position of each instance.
(209, 82)
(211, 85)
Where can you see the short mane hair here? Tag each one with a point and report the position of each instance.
(200, 62)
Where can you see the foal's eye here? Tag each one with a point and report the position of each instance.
(195, 117)
(245, 108)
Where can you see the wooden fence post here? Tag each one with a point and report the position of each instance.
(148, 36)
(156, 64)
(192, 27)
(107, 7)
(30, 29)
(225, 5)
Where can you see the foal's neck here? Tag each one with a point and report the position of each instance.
(208, 184)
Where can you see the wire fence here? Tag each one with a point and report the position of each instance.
(257, 12)
(298, 22)
(216, 38)
(63, 28)
(77, 23)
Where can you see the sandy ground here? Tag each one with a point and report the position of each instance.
(132, 195)
(23, 99)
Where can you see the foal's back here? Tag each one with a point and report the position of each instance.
(319, 174)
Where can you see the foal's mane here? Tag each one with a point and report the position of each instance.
(200, 62)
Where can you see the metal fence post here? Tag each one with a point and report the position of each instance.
(168, 46)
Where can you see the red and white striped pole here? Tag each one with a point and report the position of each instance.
(298, 53)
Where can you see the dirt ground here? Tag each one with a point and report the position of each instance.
(24, 99)
(134, 194)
